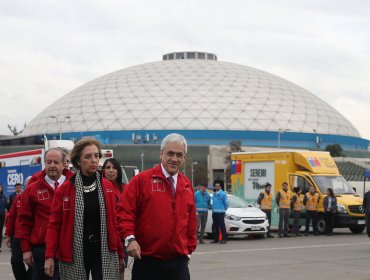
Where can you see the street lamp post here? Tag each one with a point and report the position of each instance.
(281, 131)
(142, 161)
(192, 172)
(59, 123)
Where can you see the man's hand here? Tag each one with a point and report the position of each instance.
(8, 241)
(28, 258)
(133, 250)
(49, 267)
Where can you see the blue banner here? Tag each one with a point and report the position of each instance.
(9, 176)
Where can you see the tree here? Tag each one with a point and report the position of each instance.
(335, 150)
(14, 129)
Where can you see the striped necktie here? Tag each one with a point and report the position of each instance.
(172, 184)
(56, 185)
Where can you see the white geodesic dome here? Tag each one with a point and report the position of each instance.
(190, 94)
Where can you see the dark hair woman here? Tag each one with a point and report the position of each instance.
(296, 204)
(82, 232)
(113, 172)
(330, 208)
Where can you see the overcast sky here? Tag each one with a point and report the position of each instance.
(48, 48)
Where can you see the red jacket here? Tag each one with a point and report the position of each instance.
(60, 229)
(35, 211)
(164, 227)
(34, 216)
(12, 221)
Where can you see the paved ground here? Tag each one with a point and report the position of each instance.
(340, 257)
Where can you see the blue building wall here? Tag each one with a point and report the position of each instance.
(223, 137)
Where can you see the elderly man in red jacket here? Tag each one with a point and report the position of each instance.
(35, 211)
(157, 217)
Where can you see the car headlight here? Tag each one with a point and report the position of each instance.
(341, 208)
(232, 217)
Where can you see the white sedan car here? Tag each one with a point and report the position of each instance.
(241, 218)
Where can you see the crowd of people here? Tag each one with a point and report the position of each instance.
(73, 225)
(76, 224)
(291, 204)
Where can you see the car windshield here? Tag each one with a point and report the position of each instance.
(337, 183)
(237, 202)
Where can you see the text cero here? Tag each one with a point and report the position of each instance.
(15, 178)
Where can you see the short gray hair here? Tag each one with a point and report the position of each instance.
(174, 137)
(58, 149)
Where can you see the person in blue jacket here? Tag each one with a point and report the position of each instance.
(220, 205)
(202, 201)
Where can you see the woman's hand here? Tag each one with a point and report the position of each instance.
(49, 267)
(122, 264)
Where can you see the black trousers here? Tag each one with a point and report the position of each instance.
(92, 259)
(367, 219)
(38, 252)
(311, 215)
(268, 215)
(329, 222)
(219, 224)
(19, 268)
(155, 269)
(2, 220)
(296, 217)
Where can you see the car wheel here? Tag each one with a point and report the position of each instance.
(258, 236)
(357, 229)
(321, 224)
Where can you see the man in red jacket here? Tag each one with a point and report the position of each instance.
(157, 217)
(34, 216)
(12, 240)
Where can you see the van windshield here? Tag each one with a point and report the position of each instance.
(237, 202)
(337, 183)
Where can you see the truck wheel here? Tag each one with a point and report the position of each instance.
(357, 229)
(321, 224)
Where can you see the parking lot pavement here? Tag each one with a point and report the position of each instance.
(340, 257)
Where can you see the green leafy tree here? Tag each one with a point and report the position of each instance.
(335, 150)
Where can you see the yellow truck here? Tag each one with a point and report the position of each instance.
(251, 171)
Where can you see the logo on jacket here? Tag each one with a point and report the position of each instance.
(158, 185)
(43, 194)
(67, 203)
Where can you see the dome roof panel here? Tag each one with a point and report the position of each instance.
(191, 94)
